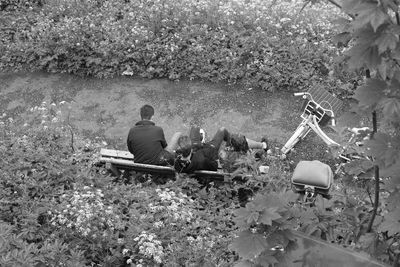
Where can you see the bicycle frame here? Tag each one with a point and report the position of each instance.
(313, 114)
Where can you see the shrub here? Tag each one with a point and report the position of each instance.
(259, 43)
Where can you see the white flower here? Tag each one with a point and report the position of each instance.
(285, 19)
(129, 261)
(157, 259)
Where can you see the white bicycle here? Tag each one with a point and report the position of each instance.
(313, 116)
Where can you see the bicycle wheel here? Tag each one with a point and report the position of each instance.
(300, 133)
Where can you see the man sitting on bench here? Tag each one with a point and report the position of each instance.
(147, 143)
(192, 156)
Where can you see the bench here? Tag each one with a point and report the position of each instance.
(117, 160)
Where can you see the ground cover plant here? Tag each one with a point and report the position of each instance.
(59, 207)
(261, 44)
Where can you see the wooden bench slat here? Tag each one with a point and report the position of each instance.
(134, 164)
(116, 153)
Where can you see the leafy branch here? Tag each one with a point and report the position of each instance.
(373, 36)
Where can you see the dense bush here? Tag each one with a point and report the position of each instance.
(260, 43)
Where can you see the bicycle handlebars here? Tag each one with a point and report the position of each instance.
(299, 94)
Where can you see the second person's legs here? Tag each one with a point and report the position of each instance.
(221, 135)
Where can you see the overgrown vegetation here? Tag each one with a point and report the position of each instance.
(58, 207)
(261, 44)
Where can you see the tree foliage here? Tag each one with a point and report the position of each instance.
(371, 31)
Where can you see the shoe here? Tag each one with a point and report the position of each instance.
(203, 135)
(265, 140)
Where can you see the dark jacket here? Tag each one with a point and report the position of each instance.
(204, 158)
(146, 142)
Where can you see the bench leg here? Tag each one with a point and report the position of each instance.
(115, 170)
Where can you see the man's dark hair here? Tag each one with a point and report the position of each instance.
(184, 146)
(146, 112)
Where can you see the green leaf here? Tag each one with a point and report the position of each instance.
(383, 149)
(391, 108)
(268, 215)
(249, 245)
(351, 6)
(391, 176)
(383, 69)
(386, 40)
(266, 259)
(348, 119)
(367, 242)
(392, 200)
(323, 204)
(273, 199)
(342, 38)
(280, 238)
(370, 93)
(363, 55)
(356, 167)
(369, 13)
(308, 217)
(245, 217)
(391, 222)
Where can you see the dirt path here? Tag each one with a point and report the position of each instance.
(110, 107)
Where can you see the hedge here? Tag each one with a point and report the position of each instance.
(258, 43)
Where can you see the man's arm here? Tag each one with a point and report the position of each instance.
(162, 139)
(129, 143)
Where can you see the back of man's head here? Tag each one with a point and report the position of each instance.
(184, 146)
(146, 112)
